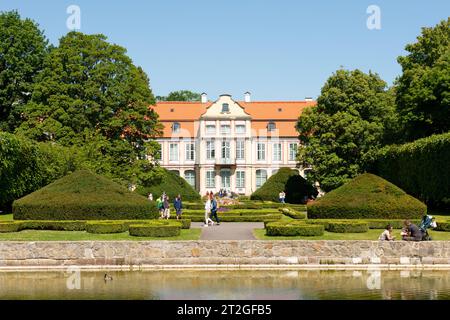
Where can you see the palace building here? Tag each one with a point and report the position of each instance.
(229, 144)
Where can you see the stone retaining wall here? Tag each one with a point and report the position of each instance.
(249, 252)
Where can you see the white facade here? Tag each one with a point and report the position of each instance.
(225, 151)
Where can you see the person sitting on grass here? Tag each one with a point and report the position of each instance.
(387, 234)
(414, 233)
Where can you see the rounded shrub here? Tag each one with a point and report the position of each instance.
(293, 228)
(289, 180)
(105, 227)
(158, 228)
(443, 226)
(10, 226)
(348, 226)
(293, 214)
(83, 196)
(367, 197)
(185, 223)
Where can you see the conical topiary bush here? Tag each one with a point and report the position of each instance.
(367, 196)
(83, 195)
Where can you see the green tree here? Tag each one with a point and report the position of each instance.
(181, 95)
(23, 47)
(423, 89)
(89, 94)
(355, 115)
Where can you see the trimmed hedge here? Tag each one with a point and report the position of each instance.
(348, 227)
(158, 228)
(83, 196)
(289, 180)
(293, 228)
(185, 223)
(443, 226)
(381, 224)
(234, 218)
(247, 205)
(172, 184)
(367, 196)
(292, 213)
(9, 226)
(421, 168)
(53, 225)
(105, 227)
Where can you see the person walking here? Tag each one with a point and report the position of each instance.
(208, 210)
(160, 206)
(166, 208)
(214, 208)
(177, 204)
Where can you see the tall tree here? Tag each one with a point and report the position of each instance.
(23, 47)
(181, 95)
(89, 94)
(355, 115)
(423, 89)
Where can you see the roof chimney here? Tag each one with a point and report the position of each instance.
(247, 97)
(204, 97)
(308, 99)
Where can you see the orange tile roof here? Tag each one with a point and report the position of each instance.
(187, 129)
(180, 110)
(282, 129)
(268, 110)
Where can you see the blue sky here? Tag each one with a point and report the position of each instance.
(277, 50)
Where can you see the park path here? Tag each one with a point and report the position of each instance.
(228, 230)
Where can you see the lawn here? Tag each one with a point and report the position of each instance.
(372, 234)
(6, 217)
(49, 235)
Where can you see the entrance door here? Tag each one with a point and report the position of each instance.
(225, 179)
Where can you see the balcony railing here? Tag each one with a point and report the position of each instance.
(226, 161)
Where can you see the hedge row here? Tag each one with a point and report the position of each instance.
(292, 213)
(102, 226)
(158, 228)
(233, 218)
(247, 205)
(341, 226)
(240, 212)
(421, 168)
(443, 226)
(293, 228)
(382, 223)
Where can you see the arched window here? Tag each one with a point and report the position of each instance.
(189, 175)
(261, 177)
(271, 126)
(176, 127)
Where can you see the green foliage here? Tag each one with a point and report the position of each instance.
(367, 196)
(237, 218)
(67, 225)
(26, 166)
(443, 226)
(23, 48)
(348, 227)
(105, 227)
(292, 213)
(289, 181)
(157, 228)
(423, 88)
(421, 168)
(83, 196)
(355, 115)
(382, 223)
(185, 223)
(89, 94)
(181, 95)
(9, 226)
(172, 184)
(293, 228)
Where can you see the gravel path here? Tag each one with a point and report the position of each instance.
(228, 230)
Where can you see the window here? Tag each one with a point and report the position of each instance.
(261, 177)
(225, 129)
(210, 150)
(210, 129)
(176, 127)
(276, 149)
(210, 179)
(240, 179)
(240, 128)
(189, 176)
(293, 151)
(225, 150)
(271, 126)
(173, 152)
(190, 151)
(261, 151)
(240, 149)
(225, 108)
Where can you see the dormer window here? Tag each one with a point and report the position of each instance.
(225, 108)
(271, 126)
(176, 127)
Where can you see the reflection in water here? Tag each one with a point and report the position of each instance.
(219, 284)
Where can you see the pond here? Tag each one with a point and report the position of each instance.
(227, 285)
